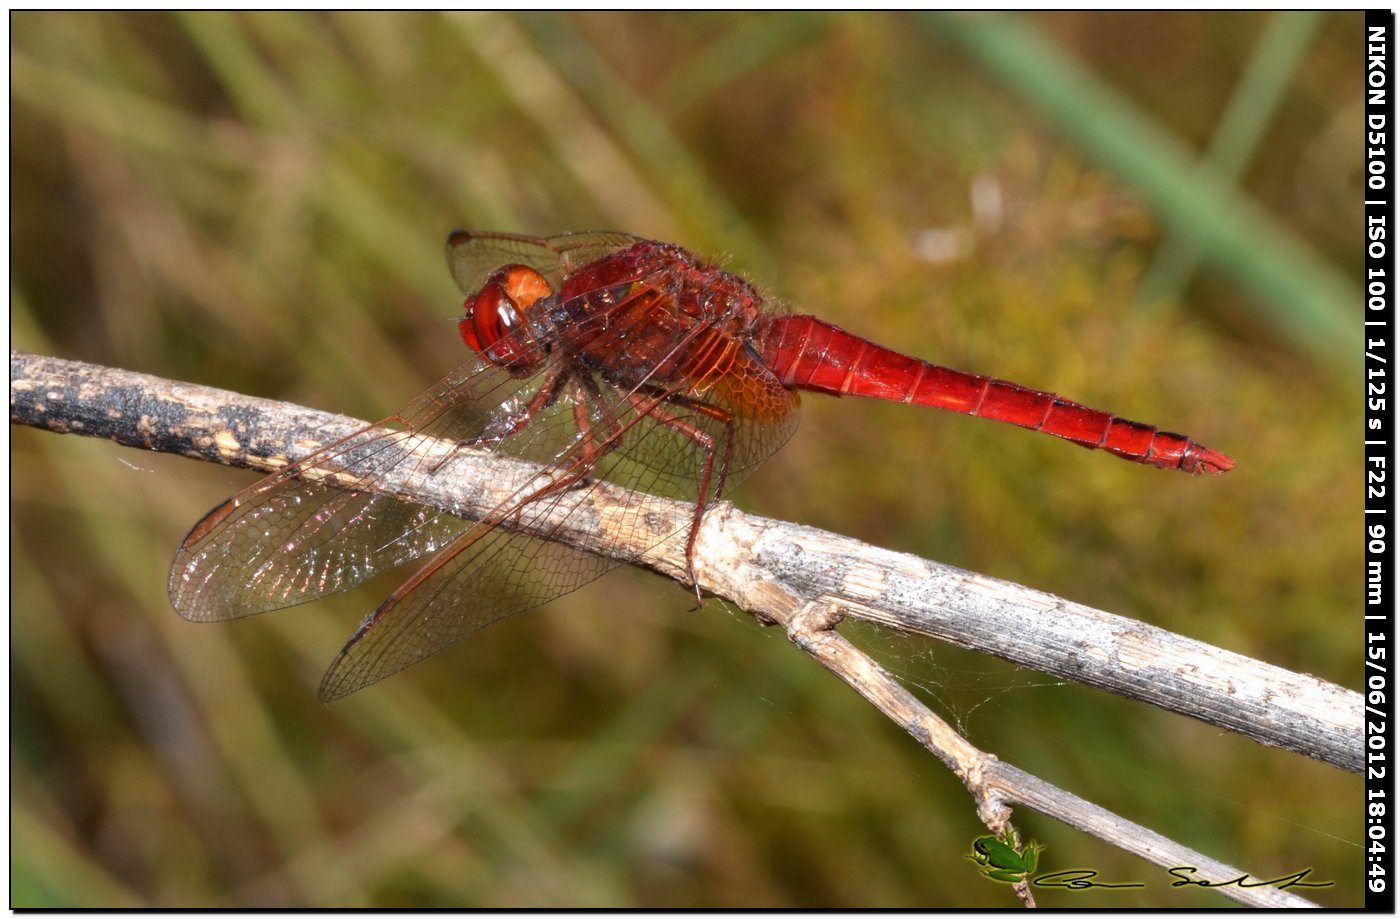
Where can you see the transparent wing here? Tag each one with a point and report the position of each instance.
(306, 532)
(578, 249)
(473, 255)
(734, 404)
(489, 574)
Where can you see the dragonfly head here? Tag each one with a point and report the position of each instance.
(495, 326)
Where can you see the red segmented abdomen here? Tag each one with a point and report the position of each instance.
(806, 353)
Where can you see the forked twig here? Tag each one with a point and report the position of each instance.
(804, 579)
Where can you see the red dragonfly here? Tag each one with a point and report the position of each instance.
(601, 356)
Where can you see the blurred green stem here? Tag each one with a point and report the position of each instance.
(1236, 138)
(1306, 298)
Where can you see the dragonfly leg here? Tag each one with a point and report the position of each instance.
(545, 396)
(651, 405)
(591, 448)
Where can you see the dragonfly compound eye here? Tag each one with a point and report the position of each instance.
(495, 316)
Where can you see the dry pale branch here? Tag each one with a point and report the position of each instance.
(996, 785)
(1295, 711)
(805, 579)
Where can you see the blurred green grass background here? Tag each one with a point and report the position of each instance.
(1155, 214)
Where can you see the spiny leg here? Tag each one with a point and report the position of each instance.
(705, 441)
(590, 452)
(545, 396)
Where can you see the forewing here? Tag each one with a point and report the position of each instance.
(287, 542)
(574, 250)
(473, 255)
(313, 529)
